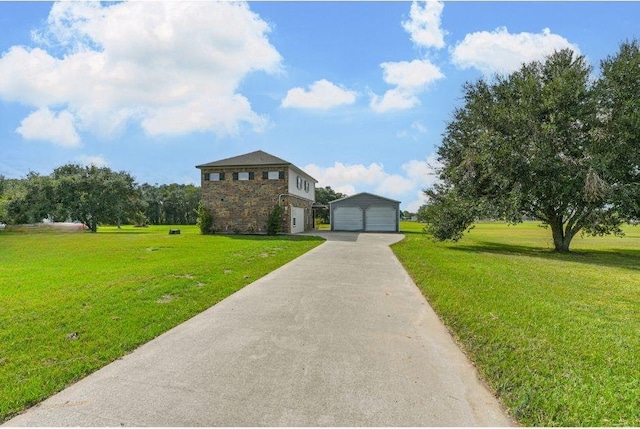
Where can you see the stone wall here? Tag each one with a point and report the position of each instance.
(243, 206)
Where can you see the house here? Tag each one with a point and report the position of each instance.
(365, 212)
(243, 190)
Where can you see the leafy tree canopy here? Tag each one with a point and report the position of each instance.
(93, 195)
(325, 196)
(546, 142)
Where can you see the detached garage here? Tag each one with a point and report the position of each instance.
(365, 212)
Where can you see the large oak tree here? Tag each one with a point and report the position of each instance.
(94, 195)
(546, 142)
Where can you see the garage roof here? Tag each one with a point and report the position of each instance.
(364, 195)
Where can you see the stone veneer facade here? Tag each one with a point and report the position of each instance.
(243, 206)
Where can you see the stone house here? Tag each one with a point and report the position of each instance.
(243, 190)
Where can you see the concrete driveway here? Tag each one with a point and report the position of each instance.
(338, 337)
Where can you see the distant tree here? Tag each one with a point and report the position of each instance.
(544, 143)
(172, 204)
(406, 214)
(325, 196)
(94, 195)
(30, 200)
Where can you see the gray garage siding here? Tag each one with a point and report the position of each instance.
(365, 212)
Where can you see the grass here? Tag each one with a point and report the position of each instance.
(557, 336)
(72, 302)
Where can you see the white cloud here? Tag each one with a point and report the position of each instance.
(502, 52)
(350, 175)
(172, 67)
(43, 124)
(394, 186)
(423, 173)
(351, 179)
(321, 95)
(97, 160)
(424, 24)
(410, 79)
(414, 205)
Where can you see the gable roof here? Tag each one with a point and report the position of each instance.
(252, 159)
(364, 195)
(248, 159)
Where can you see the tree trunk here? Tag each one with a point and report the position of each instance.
(561, 240)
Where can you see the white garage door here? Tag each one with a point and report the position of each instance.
(297, 220)
(347, 219)
(381, 218)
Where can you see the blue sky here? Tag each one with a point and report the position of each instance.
(356, 93)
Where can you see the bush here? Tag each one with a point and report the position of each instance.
(274, 222)
(205, 219)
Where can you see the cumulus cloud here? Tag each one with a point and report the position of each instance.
(418, 201)
(424, 175)
(97, 160)
(350, 175)
(321, 95)
(43, 124)
(171, 67)
(499, 51)
(351, 179)
(424, 24)
(410, 79)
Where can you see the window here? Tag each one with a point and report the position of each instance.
(272, 175)
(213, 177)
(306, 186)
(243, 175)
(299, 182)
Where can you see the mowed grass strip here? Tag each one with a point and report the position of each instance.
(557, 336)
(72, 302)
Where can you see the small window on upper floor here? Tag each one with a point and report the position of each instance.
(272, 175)
(299, 182)
(214, 177)
(243, 175)
(306, 186)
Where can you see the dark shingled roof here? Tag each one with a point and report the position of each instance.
(248, 159)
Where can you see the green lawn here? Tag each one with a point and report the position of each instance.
(116, 289)
(556, 336)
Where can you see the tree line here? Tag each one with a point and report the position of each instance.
(549, 142)
(95, 195)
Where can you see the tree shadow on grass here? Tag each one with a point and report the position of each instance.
(618, 258)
